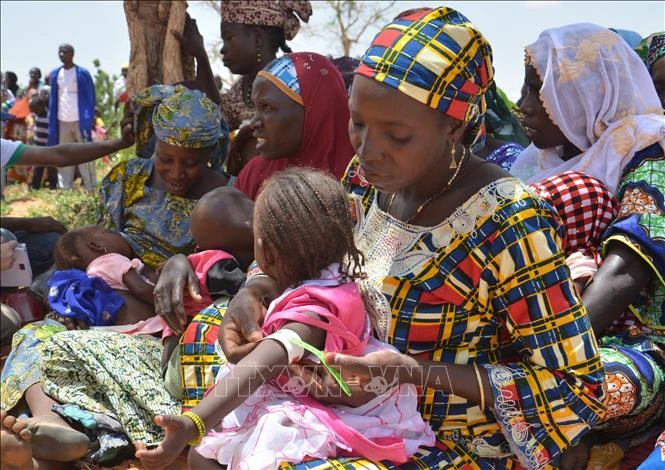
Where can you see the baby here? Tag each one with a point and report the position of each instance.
(221, 218)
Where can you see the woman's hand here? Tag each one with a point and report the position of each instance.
(127, 136)
(191, 40)
(240, 330)
(179, 431)
(367, 376)
(237, 159)
(175, 274)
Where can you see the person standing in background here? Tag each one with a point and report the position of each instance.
(72, 113)
(39, 109)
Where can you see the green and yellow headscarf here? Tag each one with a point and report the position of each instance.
(182, 117)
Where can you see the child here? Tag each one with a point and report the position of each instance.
(220, 218)
(303, 239)
(39, 108)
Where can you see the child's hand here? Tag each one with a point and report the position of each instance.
(179, 431)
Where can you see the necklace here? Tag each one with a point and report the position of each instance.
(437, 194)
(247, 92)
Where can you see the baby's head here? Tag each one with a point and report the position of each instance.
(302, 225)
(78, 248)
(222, 220)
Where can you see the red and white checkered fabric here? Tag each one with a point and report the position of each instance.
(585, 205)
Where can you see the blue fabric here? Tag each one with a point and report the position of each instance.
(87, 102)
(284, 69)
(74, 294)
(654, 461)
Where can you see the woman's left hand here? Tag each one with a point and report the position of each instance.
(367, 376)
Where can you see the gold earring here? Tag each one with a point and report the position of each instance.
(453, 163)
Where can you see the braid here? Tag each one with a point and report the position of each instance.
(277, 38)
(304, 214)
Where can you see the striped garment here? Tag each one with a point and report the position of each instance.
(41, 130)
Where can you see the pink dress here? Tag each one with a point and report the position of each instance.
(277, 423)
(112, 267)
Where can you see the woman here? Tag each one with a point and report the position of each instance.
(462, 269)
(252, 33)
(656, 64)
(577, 127)
(149, 201)
(621, 129)
(301, 119)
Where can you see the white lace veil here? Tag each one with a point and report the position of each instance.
(599, 93)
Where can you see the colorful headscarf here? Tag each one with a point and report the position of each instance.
(325, 139)
(437, 57)
(599, 94)
(282, 73)
(500, 121)
(656, 49)
(285, 14)
(183, 117)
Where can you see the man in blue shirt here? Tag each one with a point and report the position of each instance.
(72, 113)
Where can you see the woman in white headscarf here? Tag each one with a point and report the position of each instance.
(592, 109)
(590, 105)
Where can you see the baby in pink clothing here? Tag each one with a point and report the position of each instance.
(225, 213)
(255, 417)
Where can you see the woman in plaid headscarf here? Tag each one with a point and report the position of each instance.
(466, 277)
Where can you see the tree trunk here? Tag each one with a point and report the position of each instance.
(156, 56)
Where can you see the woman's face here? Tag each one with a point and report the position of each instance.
(398, 140)
(180, 168)
(537, 124)
(238, 48)
(658, 77)
(278, 121)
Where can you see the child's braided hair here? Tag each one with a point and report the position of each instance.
(304, 214)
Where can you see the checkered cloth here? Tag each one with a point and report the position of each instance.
(437, 57)
(199, 360)
(282, 72)
(585, 205)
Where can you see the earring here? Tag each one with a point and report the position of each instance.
(453, 163)
(259, 45)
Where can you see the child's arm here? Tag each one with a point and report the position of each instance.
(138, 287)
(267, 361)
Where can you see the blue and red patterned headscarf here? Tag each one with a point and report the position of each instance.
(437, 57)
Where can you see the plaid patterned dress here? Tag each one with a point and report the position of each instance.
(489, 285)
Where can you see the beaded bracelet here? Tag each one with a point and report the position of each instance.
(200, 426)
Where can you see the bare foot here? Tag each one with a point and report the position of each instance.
(51, 437)
(15, 445)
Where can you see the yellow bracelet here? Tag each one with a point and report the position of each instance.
(200, 426)
(480, 386)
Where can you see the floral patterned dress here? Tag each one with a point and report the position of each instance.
(633, 351)
(154, 223)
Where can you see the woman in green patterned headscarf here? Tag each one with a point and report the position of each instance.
(148, 201)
